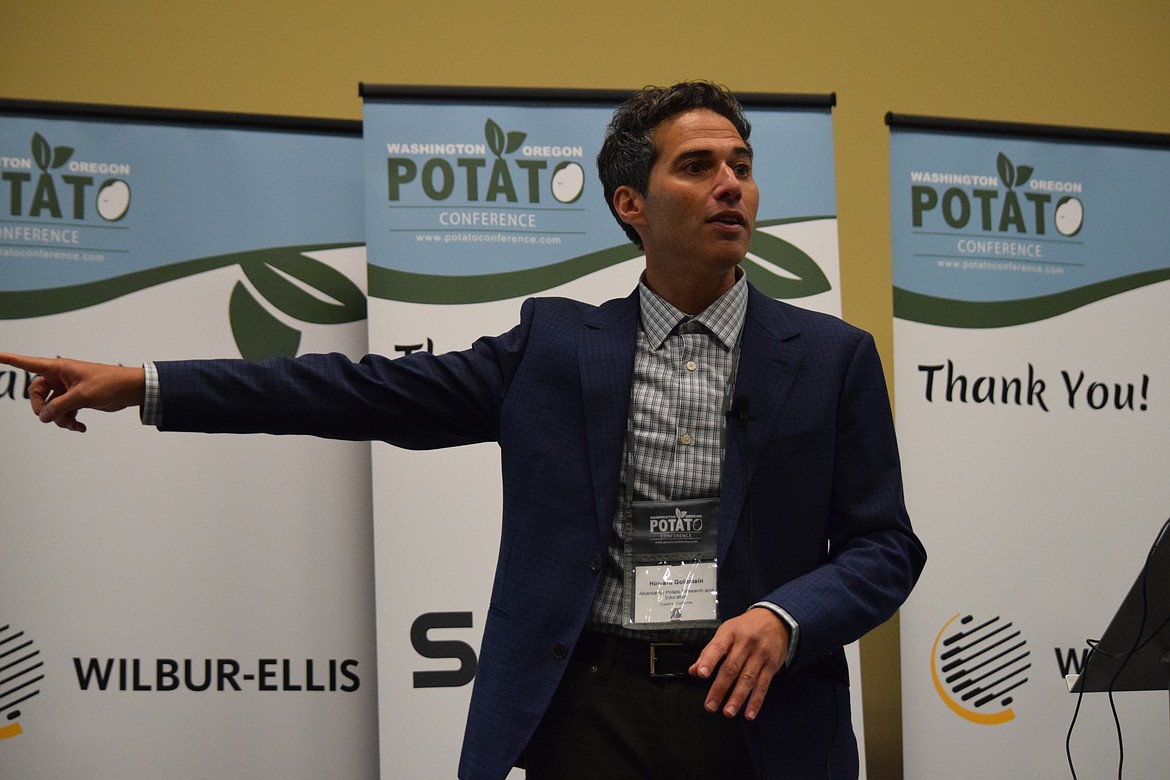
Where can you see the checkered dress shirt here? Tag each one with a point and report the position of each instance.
(683, 369)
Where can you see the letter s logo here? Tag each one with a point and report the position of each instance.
(449, 648)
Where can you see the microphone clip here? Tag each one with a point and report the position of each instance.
(741, 409)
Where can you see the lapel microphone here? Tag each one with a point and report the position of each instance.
(741, 408)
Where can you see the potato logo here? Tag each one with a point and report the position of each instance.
(1070, 215)
(568, 181)
(113, 200)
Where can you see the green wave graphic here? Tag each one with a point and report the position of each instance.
(806, 277)
(409, 287)
(933, 310)
(22, 304)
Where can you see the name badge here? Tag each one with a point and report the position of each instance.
(674, 594)
(672, 576)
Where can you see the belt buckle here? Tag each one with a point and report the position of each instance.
(654, 659)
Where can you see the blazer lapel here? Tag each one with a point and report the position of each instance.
(605, 351)
(769, 358)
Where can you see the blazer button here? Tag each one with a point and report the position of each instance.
(559, 651)
(595, 563)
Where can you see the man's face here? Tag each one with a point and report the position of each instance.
(697, 214)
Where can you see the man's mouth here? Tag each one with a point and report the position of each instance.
(729, 218)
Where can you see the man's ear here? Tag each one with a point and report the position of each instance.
(630, 206)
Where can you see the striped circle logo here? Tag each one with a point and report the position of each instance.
(976, 665)
(20, 673)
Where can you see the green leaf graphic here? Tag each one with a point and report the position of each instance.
(495, 137)
(345, 303)
(1007, 172)
(61, 155)
(1023, 173)
(515, 138)
(42, 152)
(258, 334)
(810, 279)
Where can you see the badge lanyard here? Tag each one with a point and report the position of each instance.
(670, 573)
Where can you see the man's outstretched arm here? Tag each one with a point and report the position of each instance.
(66, 386)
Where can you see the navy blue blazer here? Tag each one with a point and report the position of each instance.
(811, 507)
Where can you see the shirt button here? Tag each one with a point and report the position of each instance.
(686, 439)
(559, 651)
(595, 563)
(692, 365)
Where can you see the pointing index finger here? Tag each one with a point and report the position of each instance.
(34, 364)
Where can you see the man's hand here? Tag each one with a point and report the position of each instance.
(66, 386)
(752, 648)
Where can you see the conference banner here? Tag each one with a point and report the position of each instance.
(1031, 276)
(176, 605)
(477, 199)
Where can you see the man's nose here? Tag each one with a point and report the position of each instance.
(728, 185)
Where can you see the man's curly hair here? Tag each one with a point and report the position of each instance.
(628, 152)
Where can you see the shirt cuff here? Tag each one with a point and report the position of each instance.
(793, 626)
(151, 412)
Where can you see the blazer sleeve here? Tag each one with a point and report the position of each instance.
(419, 401)
(873, 557)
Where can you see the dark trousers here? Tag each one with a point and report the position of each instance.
(610, 719)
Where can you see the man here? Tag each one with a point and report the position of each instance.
(757, 434)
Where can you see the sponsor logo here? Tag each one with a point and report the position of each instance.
(976, 665)
(216, 674)
(444, 649)
(21, 672)
(1071, 660)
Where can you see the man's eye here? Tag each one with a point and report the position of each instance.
(743, 170)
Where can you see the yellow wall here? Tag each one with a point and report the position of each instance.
(1074, 62)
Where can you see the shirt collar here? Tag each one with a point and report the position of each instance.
(724, 318)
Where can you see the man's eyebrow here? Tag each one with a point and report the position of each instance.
(704, 152)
